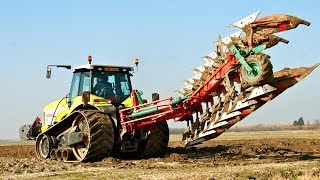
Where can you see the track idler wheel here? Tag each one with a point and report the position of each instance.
(44, 145)
(262, 70)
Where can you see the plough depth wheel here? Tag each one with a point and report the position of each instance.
(261, 70)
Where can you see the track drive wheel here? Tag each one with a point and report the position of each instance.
(262, 70)
(157, 141)
(98, 132)
(44, 145)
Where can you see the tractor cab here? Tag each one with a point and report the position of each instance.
(109, 82)
(104, 87)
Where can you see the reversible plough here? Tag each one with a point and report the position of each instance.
(236, 80)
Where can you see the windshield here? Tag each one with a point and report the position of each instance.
(111, 85)
(115, 86)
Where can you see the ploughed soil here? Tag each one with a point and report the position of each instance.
(215, 159)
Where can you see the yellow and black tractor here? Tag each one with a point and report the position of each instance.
(85, 125)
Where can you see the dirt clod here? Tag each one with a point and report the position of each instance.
(174, 157)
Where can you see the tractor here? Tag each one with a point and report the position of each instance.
(85, 125)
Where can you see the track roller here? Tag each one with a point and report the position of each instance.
(53, 155)
(67, 155)
(59, 154)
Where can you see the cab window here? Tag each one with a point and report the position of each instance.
(85, 82)
(74, 91)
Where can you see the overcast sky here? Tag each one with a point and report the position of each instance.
(169, 37)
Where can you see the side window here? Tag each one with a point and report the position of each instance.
(95, 81)
(85, 82)
(75, 85)
(125, 85)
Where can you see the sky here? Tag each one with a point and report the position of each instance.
(168, 37)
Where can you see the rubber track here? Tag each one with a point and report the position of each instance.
(101, 135)
(157, 141)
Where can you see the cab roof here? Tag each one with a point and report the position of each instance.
(102, 67)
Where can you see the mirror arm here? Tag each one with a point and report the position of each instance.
(57, 66)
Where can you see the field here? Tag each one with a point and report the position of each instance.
(233, 155)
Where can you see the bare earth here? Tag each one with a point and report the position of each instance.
(260, 155)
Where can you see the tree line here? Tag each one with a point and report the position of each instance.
(300, 122)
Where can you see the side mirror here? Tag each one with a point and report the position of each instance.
(48, 73)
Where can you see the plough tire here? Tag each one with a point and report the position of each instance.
(263, 67)
(157, 141)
